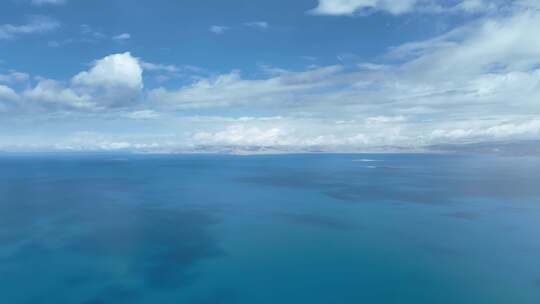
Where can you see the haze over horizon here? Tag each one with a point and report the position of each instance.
(167, 75)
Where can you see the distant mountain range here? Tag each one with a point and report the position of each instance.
(509, 148)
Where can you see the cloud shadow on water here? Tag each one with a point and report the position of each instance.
(47, 220)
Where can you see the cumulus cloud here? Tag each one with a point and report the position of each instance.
(113, 71)
(114, 81)
(51, 94)
(35, 25)
(7, 94)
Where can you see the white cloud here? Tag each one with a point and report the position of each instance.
(159, 67)
(385, 119)
(14, 77)
(113, 71)
(90, 141)
(36, 24)
(51, 2)
(114, 81)
(168, 72)
(143, 114)
(399, 7)
(257, 24)
(493, 44)
(242, 135)
(230, 89)
(477, 82)
(7, 95)
(170, 68)
(218, 29)
(502, 131)
(50, 94)
(372, 66)
(124, 36)
(490, 66)
(349, 7)
(89, 35)
(472, 6)
(480, 81)
(295, 132)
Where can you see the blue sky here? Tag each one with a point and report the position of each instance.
(168, 75)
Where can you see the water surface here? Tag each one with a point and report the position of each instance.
(269, 229)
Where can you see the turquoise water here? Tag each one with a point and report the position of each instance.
(269, 229)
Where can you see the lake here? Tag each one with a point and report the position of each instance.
(313, 228)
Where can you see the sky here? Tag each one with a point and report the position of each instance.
(171, 75)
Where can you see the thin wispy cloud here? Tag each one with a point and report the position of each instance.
(149, 66)
(48, 2)
(143, 115)
(13, 76)
(89, 31)
(123, 36)
(218, 29)
(35, 25)
(87, 34)
(399, 7)
(257, 24)
(349, 7)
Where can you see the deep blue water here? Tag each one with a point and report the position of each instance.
(311, 229)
